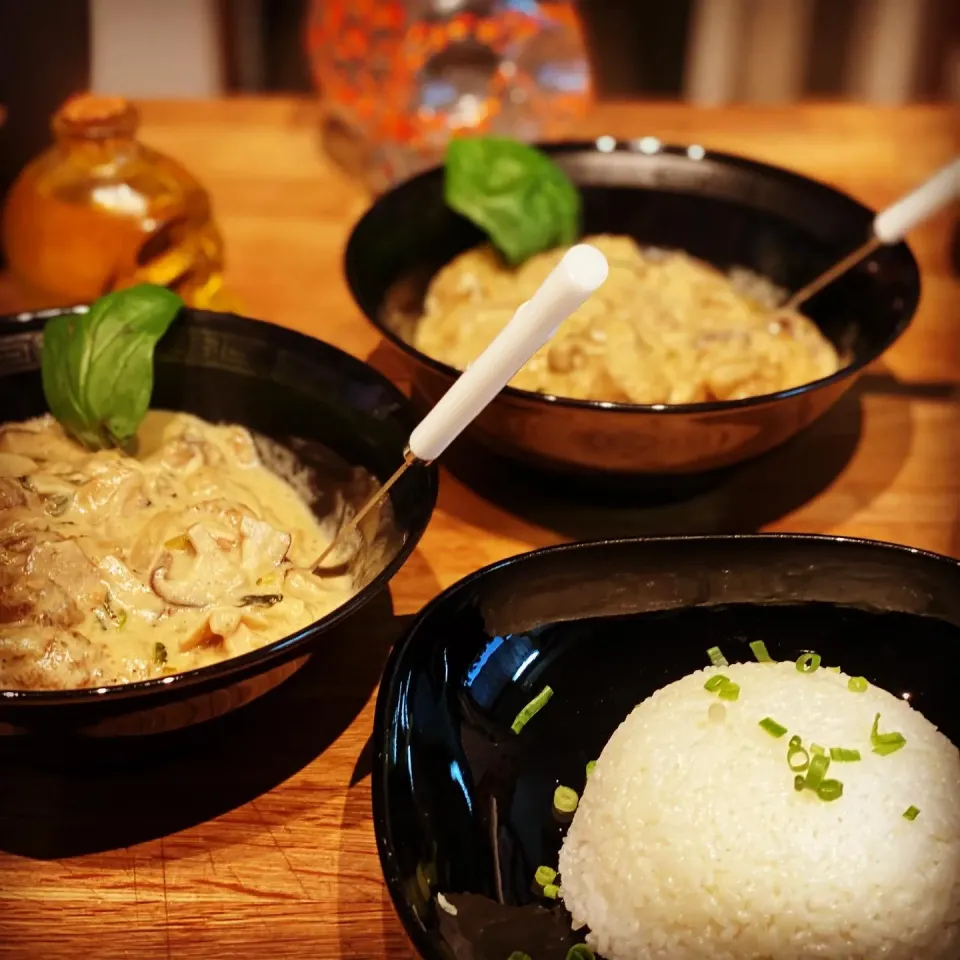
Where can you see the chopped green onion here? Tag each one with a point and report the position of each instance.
(715, 683)
(797, 758)
(591, 766)
(565, 800)
(842, 755)
(544, 875)
(772, 727)
(729, 691)
(817, 750)
(550, 891)
(817, 771)
(857, 684)
(911, 813)
(885, 743)
(531, 709)
(519, 955)
(580, 951)
(799, 782)
(830, 790)
(834, 669)
(759, 649)
(717, 658)
(159, 654)
(808, 663)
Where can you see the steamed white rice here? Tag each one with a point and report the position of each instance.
(691, 843)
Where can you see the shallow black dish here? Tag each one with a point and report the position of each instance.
(726, 210)
(333, 411)
(605, 625)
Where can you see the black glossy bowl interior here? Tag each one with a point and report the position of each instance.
(334, 412)
(726, 210)
(462, 806)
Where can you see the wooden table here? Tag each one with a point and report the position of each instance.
(253, 837)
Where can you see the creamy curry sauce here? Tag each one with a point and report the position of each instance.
(115, 569)
(664, 328)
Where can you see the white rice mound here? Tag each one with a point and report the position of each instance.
(691, 843)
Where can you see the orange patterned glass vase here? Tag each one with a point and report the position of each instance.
(398, 78)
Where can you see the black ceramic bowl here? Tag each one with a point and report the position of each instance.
(462, 806)
(726, 210)
(333, 411)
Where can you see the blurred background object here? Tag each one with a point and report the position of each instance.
(708, 52)
(398, 78)
(882, 51)
(97, 211)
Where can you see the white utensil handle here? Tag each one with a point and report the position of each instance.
(894, 223)
(582, 270)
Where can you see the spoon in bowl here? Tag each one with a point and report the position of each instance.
(578, 275)
(890, 226)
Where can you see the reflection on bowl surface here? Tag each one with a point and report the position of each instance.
(320, 419)
(727, 211)
(462, 805)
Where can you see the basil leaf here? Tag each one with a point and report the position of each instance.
(517, 195)
(97, 367)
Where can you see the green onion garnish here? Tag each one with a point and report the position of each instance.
(885, 743)
(833, 669)
(531, 709)
(830, 790)
(799, 782)
(729, 691)
(580, 951)
(565, 800)
(857, 684)
(715, 683)
(519, 955)
(717, 658)
(591, 766)
(842, 755)
(817, 750)
(772, 727)
(759, 649)
(911, 813)
(550, 891)
(544, 875)
(797, 758)
(817, 771)
(808, 663)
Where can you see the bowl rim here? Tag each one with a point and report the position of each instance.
(769, 170)
(286, 647)
(382, 719)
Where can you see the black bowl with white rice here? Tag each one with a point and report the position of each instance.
(757, 736)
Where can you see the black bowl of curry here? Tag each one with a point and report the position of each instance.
(680, 364)
(146, 590)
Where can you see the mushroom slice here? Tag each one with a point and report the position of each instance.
(209, 577)
(16, 465)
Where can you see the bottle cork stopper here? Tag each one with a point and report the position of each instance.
(96, 115)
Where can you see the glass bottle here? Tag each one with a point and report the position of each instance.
(98, 211)
(398, 78)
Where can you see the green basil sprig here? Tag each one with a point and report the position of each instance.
(517, 195)
(97, 367)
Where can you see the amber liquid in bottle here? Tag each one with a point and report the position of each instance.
(99, 211)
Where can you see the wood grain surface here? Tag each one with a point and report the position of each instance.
(253, 837)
